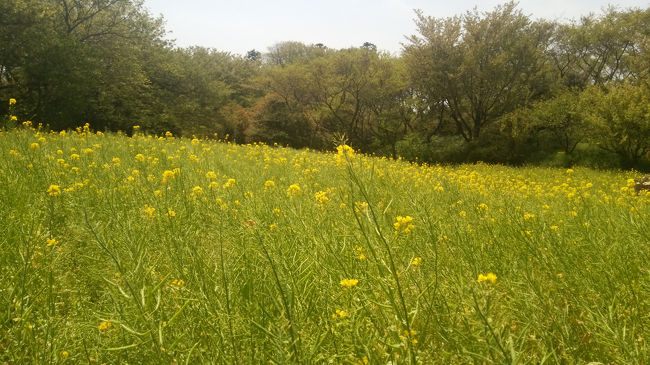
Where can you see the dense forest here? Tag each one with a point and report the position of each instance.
(495, 86)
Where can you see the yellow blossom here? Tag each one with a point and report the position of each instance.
(197, 191)
(52, 242)
(34, 145)
(210, 175)
(230, 183)
(105, 325)
(349, 283)
(403, 224)
(269, 184)
(12, 101)
(416, 261)
(149, 211)
(293, 190)
(489, 277)
(54, 190)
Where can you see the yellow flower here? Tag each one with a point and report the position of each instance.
(349, 283)
(210, 175)
(139, 157)
(33, 145)
(105, 325)
(554, 228)
(321, 197)
(116, 161)
(167, 175)
(64, 354)
(269, 184)
(171, 213)
(197, 191)
(54, 190)
(416, 261)
(52, 242)
(529, 216)
(340, 314)
(293, 190)
(230, 183)
(404, 224)
(13, 118)
(489, 277)
(12, 101)
(149, 211)
(344, 153)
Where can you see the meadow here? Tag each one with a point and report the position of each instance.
(146, 249)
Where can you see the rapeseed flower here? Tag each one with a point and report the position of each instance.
(293, 190)
(12, 101)
(52, 242)
(349, 283)
(403, 224)
(489, 277)
(54, 190)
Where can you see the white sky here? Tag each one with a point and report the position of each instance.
(240, 25)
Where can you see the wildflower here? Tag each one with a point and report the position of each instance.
(12, 101)
(105, 325)
(340, 314)
(404, 224)
(210, 175)
(321, 197)
(416, 261)
(462, 213)
(149, 211)
(87, 151)
(169, 134)
(482, 208)
(197, 191)
(171, 213)
(34, 146)
(344, 153)
(569, 171)
(167, 175)
(13, 118)
(64, 354)
(293, 190)
(273, 226)
(136, 128)
(489, 277)
(529, 216)
(157, 193)
(177, 284)
(139, 157)
(52, 242)
(195, 141)
(27, 123)
(349, 283)
(74, 156)
(269, 184)
(554, 228)
(228, 184)
(54, 190)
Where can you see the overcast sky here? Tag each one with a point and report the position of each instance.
(241, 25)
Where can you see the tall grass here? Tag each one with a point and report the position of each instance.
(155, 250)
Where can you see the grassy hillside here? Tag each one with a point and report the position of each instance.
(117, 249)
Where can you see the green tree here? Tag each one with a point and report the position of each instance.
(620, 118)
(478, 67)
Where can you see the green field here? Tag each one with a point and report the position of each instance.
(117, 249)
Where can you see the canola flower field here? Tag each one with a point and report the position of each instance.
(143, 249)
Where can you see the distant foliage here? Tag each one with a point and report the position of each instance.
(514, 89)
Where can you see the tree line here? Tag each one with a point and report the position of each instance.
(495, 86)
